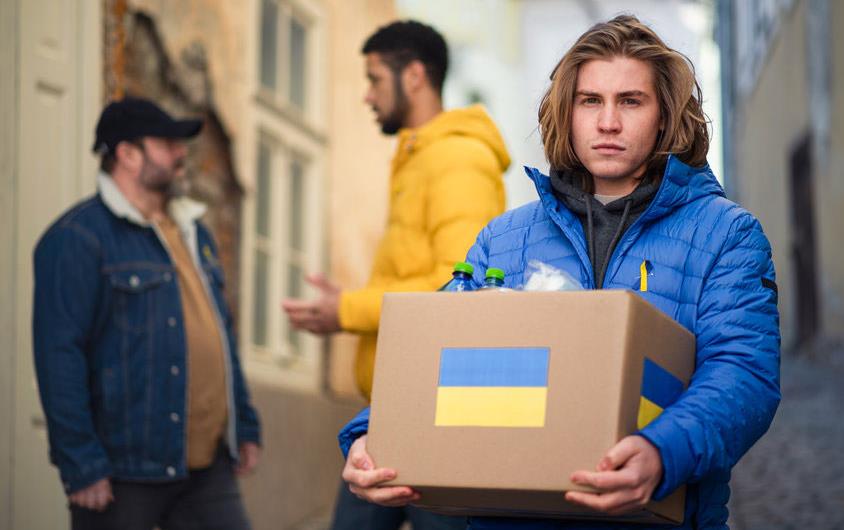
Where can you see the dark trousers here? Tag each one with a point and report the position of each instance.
(208, 499)
(351, 513)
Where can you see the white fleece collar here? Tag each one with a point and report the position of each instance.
(183, 210)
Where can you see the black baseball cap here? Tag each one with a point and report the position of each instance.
(131, 118)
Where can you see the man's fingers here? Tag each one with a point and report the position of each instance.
(103, 495)
(602, 502)
(292, 305)
(396, 496)
(386, 496)
(317, 279)
(99, 499)
(361, 460)
(320, 282)
(90, 500)
(618, 454)
(302, 320)
(369, 479)
(607, 480)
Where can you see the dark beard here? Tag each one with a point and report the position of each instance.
(395, 120)
(160, 179)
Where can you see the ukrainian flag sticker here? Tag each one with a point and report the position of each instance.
(660, 388)
(492, 387)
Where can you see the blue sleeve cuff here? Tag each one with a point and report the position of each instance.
(353, 430)
(675, 469)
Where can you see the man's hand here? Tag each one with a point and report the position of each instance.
(364, 479)
(94, 497)
(625, 478)
(250, 453)
(320, 316)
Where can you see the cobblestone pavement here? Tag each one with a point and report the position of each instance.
(794, 477)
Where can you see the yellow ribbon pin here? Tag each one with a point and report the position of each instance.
(643, 276)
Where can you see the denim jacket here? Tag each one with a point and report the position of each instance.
(110, 346)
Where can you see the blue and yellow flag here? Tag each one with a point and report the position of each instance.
(492, 387)
(660, 388)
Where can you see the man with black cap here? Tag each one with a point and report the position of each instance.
(148, 413)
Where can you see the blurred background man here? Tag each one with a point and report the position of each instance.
(147, 409)
(445, 185)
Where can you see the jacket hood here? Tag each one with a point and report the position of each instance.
(566, 185)
(472, 121)
(681, 184)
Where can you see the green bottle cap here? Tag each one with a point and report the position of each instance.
(461, 266)
(493, 272)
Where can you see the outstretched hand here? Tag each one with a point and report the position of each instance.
(320, 316)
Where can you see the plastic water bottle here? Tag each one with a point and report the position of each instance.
(461, 279)
(494, 280)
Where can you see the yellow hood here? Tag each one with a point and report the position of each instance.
(471, 121)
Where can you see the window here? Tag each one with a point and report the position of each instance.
(284, 49)
(278, 246)
(283, 163)
(296, 257)
(269, 44)
(297, 73)
(263, 247)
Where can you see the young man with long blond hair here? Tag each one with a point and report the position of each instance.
(630, 193)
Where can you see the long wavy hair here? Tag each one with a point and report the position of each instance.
(684, 130)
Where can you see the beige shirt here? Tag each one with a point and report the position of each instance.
(207, 409)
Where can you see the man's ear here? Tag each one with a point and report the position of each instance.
(127, 155)
(414, 76)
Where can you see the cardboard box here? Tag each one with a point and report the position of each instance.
(487, 402)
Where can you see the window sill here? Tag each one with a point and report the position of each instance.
(288, 113)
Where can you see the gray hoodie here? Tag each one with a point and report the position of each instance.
(602, 224)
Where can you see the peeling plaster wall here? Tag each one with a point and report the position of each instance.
(180, 80)
(193, 56)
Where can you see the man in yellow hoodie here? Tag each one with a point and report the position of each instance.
(445, 187)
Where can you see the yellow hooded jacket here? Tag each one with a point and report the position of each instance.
(446, 185)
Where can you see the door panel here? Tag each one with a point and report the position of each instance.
(58, 87)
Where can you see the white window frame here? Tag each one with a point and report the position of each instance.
(291, 135)
(307, 15)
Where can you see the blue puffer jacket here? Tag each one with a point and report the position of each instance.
(712, 272)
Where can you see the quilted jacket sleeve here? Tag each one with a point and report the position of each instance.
(353, 430)
(735, 389)
(462, 198)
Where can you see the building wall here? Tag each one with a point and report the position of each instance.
(831, 192)
(302, 402)
(358, 167)
(763, 141)
(53, 53)
(769, 119)
(8, 325)
(48, 99)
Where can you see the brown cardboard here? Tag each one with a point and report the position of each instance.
(597, 342)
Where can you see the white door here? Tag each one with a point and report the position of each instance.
(59, 91)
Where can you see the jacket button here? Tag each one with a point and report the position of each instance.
(171, 322)
(171, 471)
(174, 417)
(134, 281)
(174, 370)
(167, 277)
